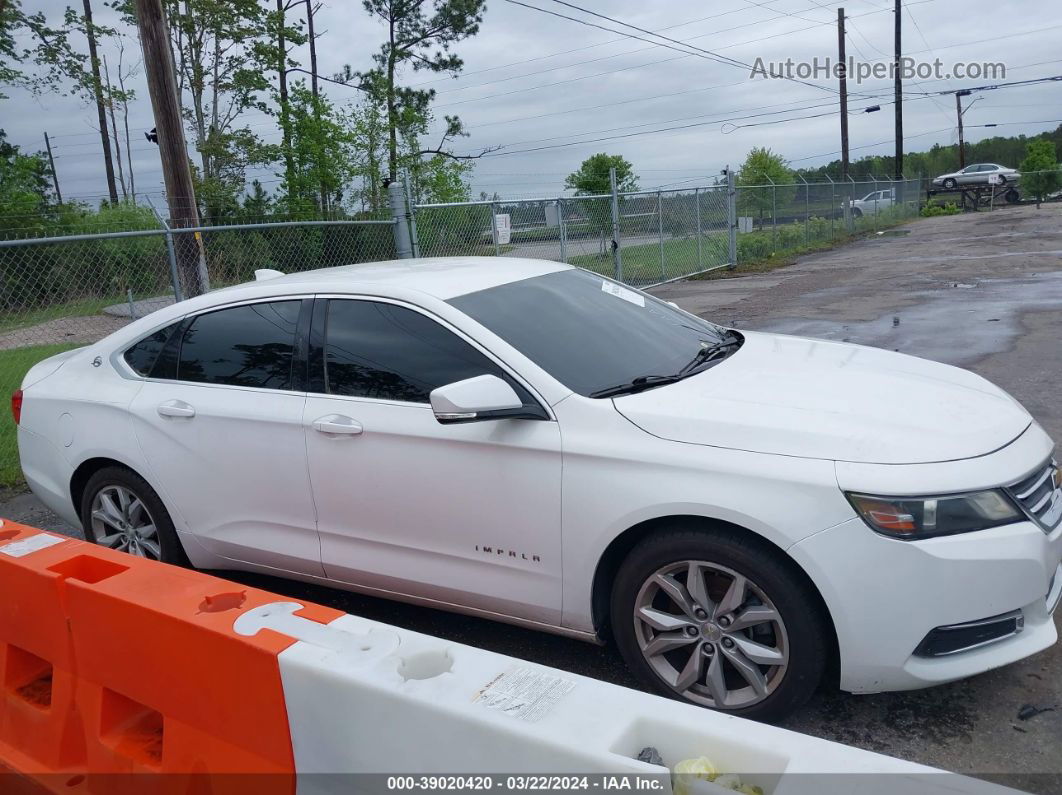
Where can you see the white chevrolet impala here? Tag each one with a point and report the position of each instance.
(534, 443)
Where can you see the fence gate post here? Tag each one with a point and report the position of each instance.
(697, 209)
(171, 253)
(833, 206)
(494, 228)
(400, 215)
(774, 214)
(731, 218)
(412, 216)
(563, 233)
(617, 256)
(807, 212)
(660, 229)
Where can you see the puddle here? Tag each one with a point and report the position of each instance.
(957, 326)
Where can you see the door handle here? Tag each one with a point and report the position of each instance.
(337, 424)
(175, 408)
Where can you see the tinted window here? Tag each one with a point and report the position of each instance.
(384, 351)
(589, 333)
(249, 345)
(141, 357)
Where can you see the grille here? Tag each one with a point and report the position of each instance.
(1041, 495)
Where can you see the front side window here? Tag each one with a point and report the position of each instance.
(251, 345)
(590, 333)
(388, 352)
(971, 169)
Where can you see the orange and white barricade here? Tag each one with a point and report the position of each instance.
(121, 673)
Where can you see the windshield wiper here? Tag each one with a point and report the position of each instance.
(639, 384)
(708, 352)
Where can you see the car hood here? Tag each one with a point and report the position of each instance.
(815, 399)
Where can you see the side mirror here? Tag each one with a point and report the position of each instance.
(485, 397)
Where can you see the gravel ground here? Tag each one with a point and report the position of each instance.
(981, 290)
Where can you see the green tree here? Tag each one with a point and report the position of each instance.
(592, 177)
(761, 171)
(420, 35)
(1040, 175)
(214, 48)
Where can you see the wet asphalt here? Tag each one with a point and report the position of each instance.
(981, 290)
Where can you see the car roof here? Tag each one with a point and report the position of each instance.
(440, 277)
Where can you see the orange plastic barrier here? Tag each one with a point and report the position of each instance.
(115, 665)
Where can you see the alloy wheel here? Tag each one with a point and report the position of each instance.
(121, 521)
(711, 634)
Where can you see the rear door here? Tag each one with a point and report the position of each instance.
(220, 423)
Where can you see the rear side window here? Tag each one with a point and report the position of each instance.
(388, 352)
(252, 345)
(142, 356)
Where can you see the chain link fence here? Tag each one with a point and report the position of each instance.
(68, 290)
(87, 279)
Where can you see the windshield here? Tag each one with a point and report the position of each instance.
(591, 333)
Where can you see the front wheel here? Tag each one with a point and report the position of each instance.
(719, 620)
(119, 510)
(950, 184)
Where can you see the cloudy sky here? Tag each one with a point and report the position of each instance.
(551, 91)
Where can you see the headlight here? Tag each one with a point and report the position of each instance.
(924, 517)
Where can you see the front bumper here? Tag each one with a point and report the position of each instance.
(885, 596)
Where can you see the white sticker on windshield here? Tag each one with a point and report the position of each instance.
(623, 292)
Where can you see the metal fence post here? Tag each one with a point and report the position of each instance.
(171, 253)
(697, 209)
(400, 215)
(563, 231)
(731, 216)
(660, 229)
(807, 212)
(617, 256)
(774, 213)
(494, 228)
(833, 205)
(412, 216)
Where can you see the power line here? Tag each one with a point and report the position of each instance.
(699, 51)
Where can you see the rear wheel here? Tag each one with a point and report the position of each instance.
(721, 621)
(119, 510)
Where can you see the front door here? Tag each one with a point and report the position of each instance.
(465, 514)
(222, 433)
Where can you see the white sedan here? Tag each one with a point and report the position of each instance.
(535, 443)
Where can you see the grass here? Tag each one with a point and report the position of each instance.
(13, 366)
(759, 251)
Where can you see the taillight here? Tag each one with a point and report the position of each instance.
(16, 406)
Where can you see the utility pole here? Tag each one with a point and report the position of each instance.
(97, 88)
(312, 39)
(899, 96)
(51, 165)
(958, 112)
(843, 79)
(180, 193)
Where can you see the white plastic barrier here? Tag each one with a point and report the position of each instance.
(365, 697)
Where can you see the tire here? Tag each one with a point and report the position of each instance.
(950, 184)
(793, 647)
(857, 213)
(117, 508)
